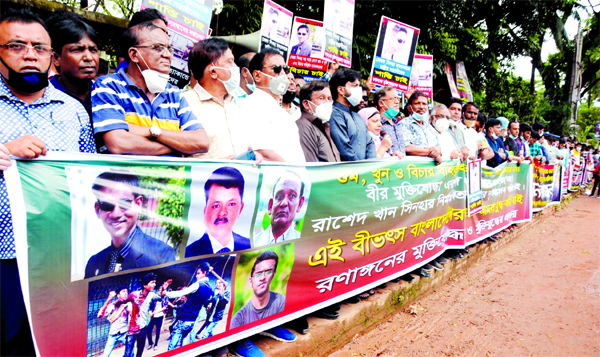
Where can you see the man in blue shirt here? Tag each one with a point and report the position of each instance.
(35, 118)
(136, 111)
(76, 57)
(348, 130)
(492, 134)
(419, 136)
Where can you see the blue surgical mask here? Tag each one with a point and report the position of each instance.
(391, 112)
(494, 136)
(512, 136)
(419, 117)
(250, 86)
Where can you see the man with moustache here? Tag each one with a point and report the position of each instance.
(287, 199)
(419, 136)
(224, 191)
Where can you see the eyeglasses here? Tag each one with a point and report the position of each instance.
(394, 99)
(441, 116)
(159, 48)
(259, 274)
(302, 34)
(277, 68)
(124, 205)
(401, 41)
(20, 49)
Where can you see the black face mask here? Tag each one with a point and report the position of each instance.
(289, 97)
(26, 82)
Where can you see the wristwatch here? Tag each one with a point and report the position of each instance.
(155, 131)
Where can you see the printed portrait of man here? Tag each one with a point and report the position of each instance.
(272, 24)
(224, 193)
(118, 205)
(264, 302)
(397, 48)
(304, 46)
(286, 200)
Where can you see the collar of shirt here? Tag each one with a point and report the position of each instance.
(341, 107)
(158, 98)
(204, 95)
(216, 245)
(289, 234)
(124, 249)
(50, 94)
(263, 96)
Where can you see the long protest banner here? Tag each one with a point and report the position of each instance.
(546, 186)
(345, 227)
(394, 54)
(338, 20)
(275, 27)
(307, 48)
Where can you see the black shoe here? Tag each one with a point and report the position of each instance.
(441, 260)
(493, 239)
(353, 300)
(397, 280)
(409, 278)
(483, 241)
(382, 286)
(300, 325)
(332, 308)
(436, 265)
(452, 256)
(427, 267)
(422, 273)
(326, 315)
(466, 251)
(460, 255)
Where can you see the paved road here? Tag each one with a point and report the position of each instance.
(537, 296)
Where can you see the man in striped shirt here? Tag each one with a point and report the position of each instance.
(136, 111)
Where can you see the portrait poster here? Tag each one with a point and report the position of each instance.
(113, 239)
(421, 77)
(597, 131)
(451, 81)
(275, 28)
(307, 48)
(338, 20)
(180, 73)
(475, 200)
(462, 81)
(394, 54)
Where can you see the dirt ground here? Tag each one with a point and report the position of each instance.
(537, 296)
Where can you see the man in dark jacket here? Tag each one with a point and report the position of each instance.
(119, 205)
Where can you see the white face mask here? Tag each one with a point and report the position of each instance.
(323, 111)
(232, 84)
(156, 81)
(355, 96)
(442, 125)
(278, 85)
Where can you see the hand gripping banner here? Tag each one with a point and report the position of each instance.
(112, 248)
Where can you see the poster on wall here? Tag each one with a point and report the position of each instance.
(338, 20)
(462, 81)
(275, 28)
(394, 54)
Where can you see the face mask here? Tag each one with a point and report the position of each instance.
(512, 136)
(355, 96)
(251, 86)
(278, 85)
(233, 83)
(289, 97)
(391, 112)
(26, 82)
(469, 123)
(578, 149)
(442, 125)
(156, 82)
(419, 117)
(494, 136)
(323, 111)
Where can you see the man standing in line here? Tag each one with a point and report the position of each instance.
(348, 130)
(388, 104)
(420, 137)
(36, 118)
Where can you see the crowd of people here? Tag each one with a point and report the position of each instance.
(251, 107)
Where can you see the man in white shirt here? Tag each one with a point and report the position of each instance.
(287, 199)
(440, 120)
(274, 132)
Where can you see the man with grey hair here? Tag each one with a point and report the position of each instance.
(440, 120)
(388, 103)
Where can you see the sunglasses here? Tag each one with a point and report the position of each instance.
(124, 205)
(400, 41)
(277, 68)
